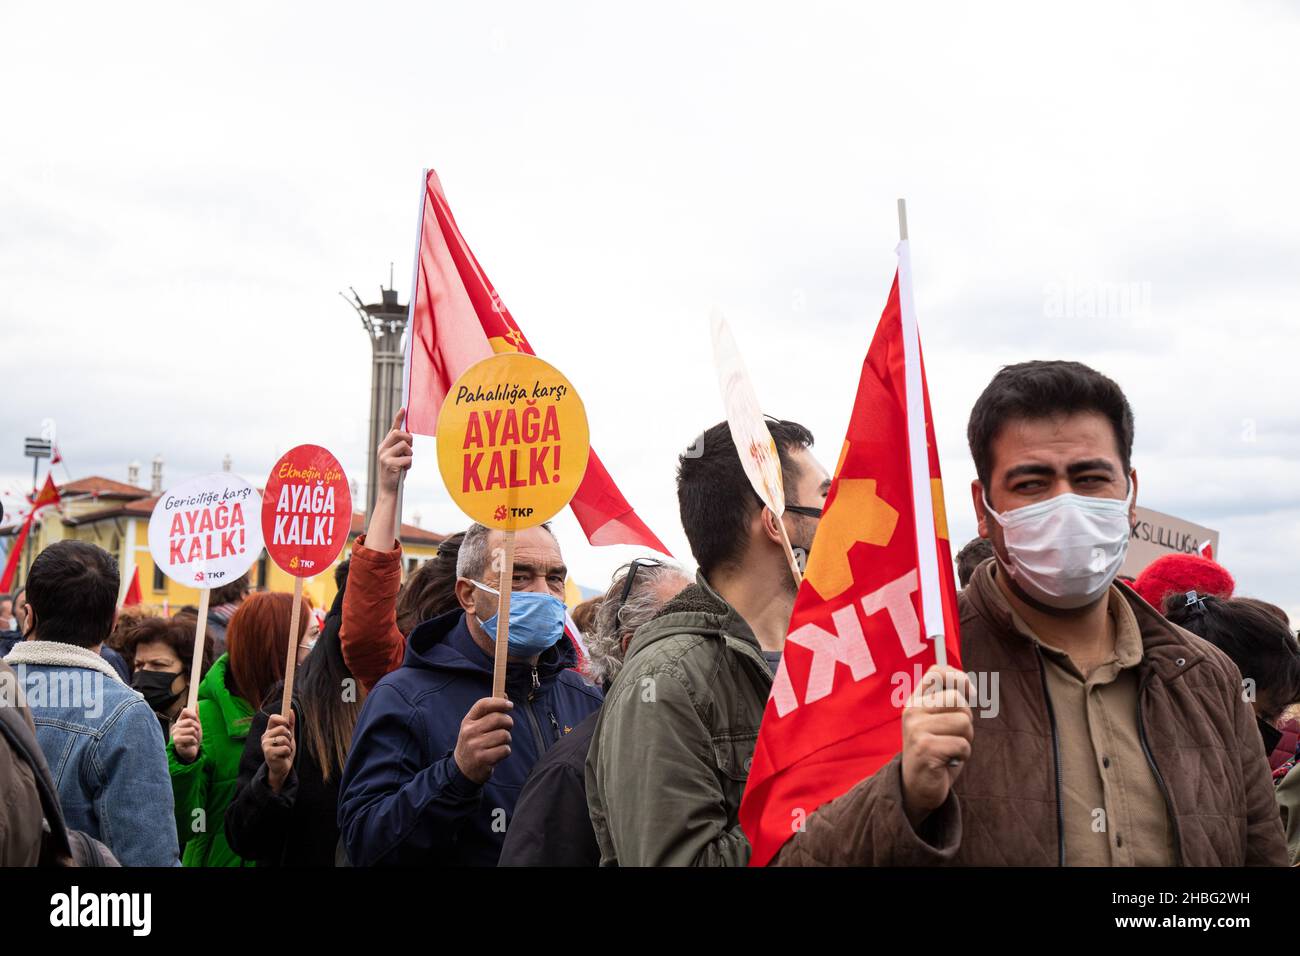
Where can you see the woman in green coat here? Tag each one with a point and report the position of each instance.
(203, 754)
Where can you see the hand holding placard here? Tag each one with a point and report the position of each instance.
(395, 454)
(278, 749)
(187, 735)
(484, 738)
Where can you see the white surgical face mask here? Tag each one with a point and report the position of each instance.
(1065, 552)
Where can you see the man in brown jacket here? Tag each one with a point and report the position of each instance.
(1115, 738)
(20, 800)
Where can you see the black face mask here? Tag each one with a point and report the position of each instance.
(156, 686)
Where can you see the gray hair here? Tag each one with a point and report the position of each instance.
(615, 621)
(472, 558)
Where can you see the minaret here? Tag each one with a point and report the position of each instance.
(384, 323)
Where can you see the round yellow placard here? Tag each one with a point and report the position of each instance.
(512, 441)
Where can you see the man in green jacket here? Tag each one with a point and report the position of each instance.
(675, 738)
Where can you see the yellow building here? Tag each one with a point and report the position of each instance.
(115, 516)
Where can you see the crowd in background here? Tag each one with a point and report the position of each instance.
(1162, 706)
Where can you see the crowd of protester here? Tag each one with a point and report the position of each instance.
(1140, 722)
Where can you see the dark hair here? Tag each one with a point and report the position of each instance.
(72, 589)
(341, 573)
(974, 553)
(257, 640)
(1262, 647)
(1037, 390)
(230, 593)
(329, 715)
(715, 497)
(177, 634)
(430, 590)
(1267, 608)
(128, 618)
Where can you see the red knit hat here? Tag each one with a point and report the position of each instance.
(1180, 573)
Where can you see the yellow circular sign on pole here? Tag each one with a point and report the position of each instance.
(512, 441)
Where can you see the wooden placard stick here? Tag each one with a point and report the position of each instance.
(291, 662)
(200, 632)
(505, 585)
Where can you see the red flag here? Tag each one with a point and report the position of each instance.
(47, 497)
(574, 635)
(133, 590)
(57, 459)
(15, 551)
(456, 319)
(857, 643)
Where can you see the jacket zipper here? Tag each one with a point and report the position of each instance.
(1056, 759)
(532, 717)
(1160, 780)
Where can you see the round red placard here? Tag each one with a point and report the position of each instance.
(306, 511)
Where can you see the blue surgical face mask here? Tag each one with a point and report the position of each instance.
(536, 621)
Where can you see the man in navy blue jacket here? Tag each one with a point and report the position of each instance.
(437, 764)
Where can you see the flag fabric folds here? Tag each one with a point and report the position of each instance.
(133, 595)
(46, 498)
(456, 319)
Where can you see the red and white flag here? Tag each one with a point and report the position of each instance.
(47, 497)
(456, 319)
(877, 587)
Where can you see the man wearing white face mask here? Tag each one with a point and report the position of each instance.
(1115, 738)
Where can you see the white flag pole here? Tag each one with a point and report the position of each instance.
(406, 352)
(927, 554)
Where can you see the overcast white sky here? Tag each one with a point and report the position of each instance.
(184, 190)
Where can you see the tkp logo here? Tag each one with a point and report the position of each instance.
(500, 513)
(199, 577)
